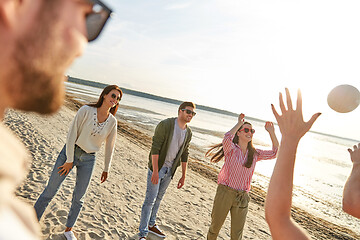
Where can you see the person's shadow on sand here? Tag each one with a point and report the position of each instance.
(149, 237)
(60, 236)
(134, 237)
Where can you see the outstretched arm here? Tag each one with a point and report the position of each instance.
(351, 197)
(238, 124)
(269, 126)
(279, 196)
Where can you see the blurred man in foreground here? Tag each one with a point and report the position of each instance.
(39, 39)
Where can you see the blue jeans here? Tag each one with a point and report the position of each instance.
(84, 163)
(154, 194)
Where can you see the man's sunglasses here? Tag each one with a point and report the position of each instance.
(189, 111)
(246, 130)
(96, 20)
(115, 97)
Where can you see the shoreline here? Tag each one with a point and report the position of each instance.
(124, 194)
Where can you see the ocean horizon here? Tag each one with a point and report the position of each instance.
(178, 102)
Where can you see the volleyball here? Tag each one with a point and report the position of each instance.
(344, 98)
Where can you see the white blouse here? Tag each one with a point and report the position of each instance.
(86, 132)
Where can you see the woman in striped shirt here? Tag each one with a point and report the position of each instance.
(234, 179)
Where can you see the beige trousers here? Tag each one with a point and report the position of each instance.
(228, 199)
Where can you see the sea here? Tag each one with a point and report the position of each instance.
(322, 163)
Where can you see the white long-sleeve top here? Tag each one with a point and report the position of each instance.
(86, 132)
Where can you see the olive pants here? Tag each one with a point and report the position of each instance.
(228, 199)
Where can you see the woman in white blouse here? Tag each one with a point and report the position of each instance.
(93, 125)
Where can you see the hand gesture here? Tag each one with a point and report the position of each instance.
(241, 118)
(65, 169)
(181, 182)
(155, 177)
(291, 121)
(269, 126)
(355, 154)
(104, 176)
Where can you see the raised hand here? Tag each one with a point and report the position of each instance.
(241, 118)
(355, 154)
(351, 195)
(269, 126)
(279, 196)
(291, 122)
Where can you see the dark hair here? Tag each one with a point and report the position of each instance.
(186, 104)
(106, 91)
(216, 152)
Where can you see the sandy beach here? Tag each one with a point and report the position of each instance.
(112, 209)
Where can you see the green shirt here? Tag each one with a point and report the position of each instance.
(161, 142)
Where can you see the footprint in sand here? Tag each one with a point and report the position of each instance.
(63, 220)
(55, 221)
(59, 236)
(67, 190)
(49, 215)
(99, 235)
(38, 176)
(61, 213)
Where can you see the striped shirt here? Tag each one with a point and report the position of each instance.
(233, 173)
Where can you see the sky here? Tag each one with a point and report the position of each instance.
(234, 55)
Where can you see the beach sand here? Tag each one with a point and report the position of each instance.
(112, 209)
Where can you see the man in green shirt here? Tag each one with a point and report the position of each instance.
(170, 146)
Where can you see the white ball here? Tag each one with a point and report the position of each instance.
(344, 98)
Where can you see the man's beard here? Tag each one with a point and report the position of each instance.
(38, 84)
(39, 91)
(185, 119)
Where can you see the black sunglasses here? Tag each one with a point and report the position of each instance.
(115, 97)
(246, 130)
(189, 111)
(96, 20)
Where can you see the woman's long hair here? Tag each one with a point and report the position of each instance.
(106, 91)
(216, 152)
